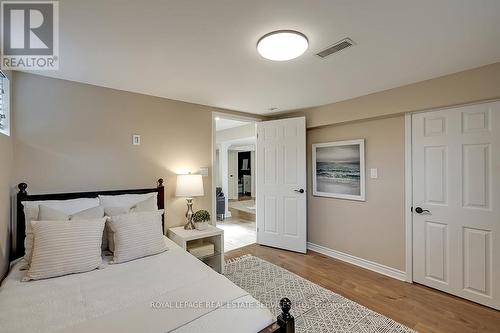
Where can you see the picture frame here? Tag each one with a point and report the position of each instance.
(338, 169)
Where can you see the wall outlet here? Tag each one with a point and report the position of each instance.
(136, 140)
(374, 173)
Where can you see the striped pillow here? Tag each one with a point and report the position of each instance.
(65, 247)
(148, 205)
(137, 235)
(31, 213)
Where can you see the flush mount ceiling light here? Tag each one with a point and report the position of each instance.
(282, 45)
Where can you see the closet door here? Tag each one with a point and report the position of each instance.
(456, 201)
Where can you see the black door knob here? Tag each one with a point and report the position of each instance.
(419, 210)
(300, 191)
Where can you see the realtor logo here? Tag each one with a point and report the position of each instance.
(30, 35)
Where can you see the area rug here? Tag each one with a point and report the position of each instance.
(315, 308)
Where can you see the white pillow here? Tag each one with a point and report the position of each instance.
(65, 247)
(46, 213)
(31, 211)
(125, 200)
(137, 235)
(148, 205)
(69, 207)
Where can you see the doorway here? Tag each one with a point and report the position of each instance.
(277, 181)
(235, 174)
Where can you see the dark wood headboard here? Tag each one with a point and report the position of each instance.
(17, 238)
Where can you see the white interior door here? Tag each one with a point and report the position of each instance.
(456, 201)
(233, 175)
(281, 184)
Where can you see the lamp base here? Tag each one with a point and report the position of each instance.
(189, 215)
(189, 226)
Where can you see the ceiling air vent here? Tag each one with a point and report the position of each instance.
(339, 46)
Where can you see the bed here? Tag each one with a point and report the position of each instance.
(167, 292)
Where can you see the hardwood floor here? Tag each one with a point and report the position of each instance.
(416, 306)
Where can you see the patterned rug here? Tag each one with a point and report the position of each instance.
(315, 308)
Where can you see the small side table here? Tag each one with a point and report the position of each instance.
(212, 234)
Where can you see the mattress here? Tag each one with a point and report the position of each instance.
(168, 292)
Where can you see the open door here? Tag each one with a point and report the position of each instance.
(281, 184)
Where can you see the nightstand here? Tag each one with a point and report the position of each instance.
(187, 238)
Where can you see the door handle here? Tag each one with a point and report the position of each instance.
(299, 191)
(419, 210)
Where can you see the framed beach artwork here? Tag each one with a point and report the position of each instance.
(339, 169)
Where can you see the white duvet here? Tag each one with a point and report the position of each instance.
(171, 291)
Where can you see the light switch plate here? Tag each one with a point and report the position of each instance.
(374, 173)
(136, 140)
(204, 171)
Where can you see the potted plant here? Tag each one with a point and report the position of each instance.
(201, 219)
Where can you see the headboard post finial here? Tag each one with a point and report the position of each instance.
(161, 202)
(17, 238)
(22, 188)
(286, 322)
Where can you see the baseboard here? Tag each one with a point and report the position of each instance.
(367, 264)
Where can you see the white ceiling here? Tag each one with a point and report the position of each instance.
(222, 123)
(205, 51)
(243, 142)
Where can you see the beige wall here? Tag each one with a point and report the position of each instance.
(6, 161)
(478, 84)
(5, 189)
(64, 131)
(76, 137)
(373, 229)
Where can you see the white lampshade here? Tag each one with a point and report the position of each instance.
(189, 186)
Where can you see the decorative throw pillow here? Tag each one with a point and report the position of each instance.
(137, 235)
(113, 211)
(47, 213)
(65, 247)
(31, 212)
(148, 205)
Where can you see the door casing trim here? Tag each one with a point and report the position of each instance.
(408, 199)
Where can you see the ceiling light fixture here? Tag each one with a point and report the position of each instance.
(282, 45)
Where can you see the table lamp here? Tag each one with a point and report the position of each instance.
(189, 186)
